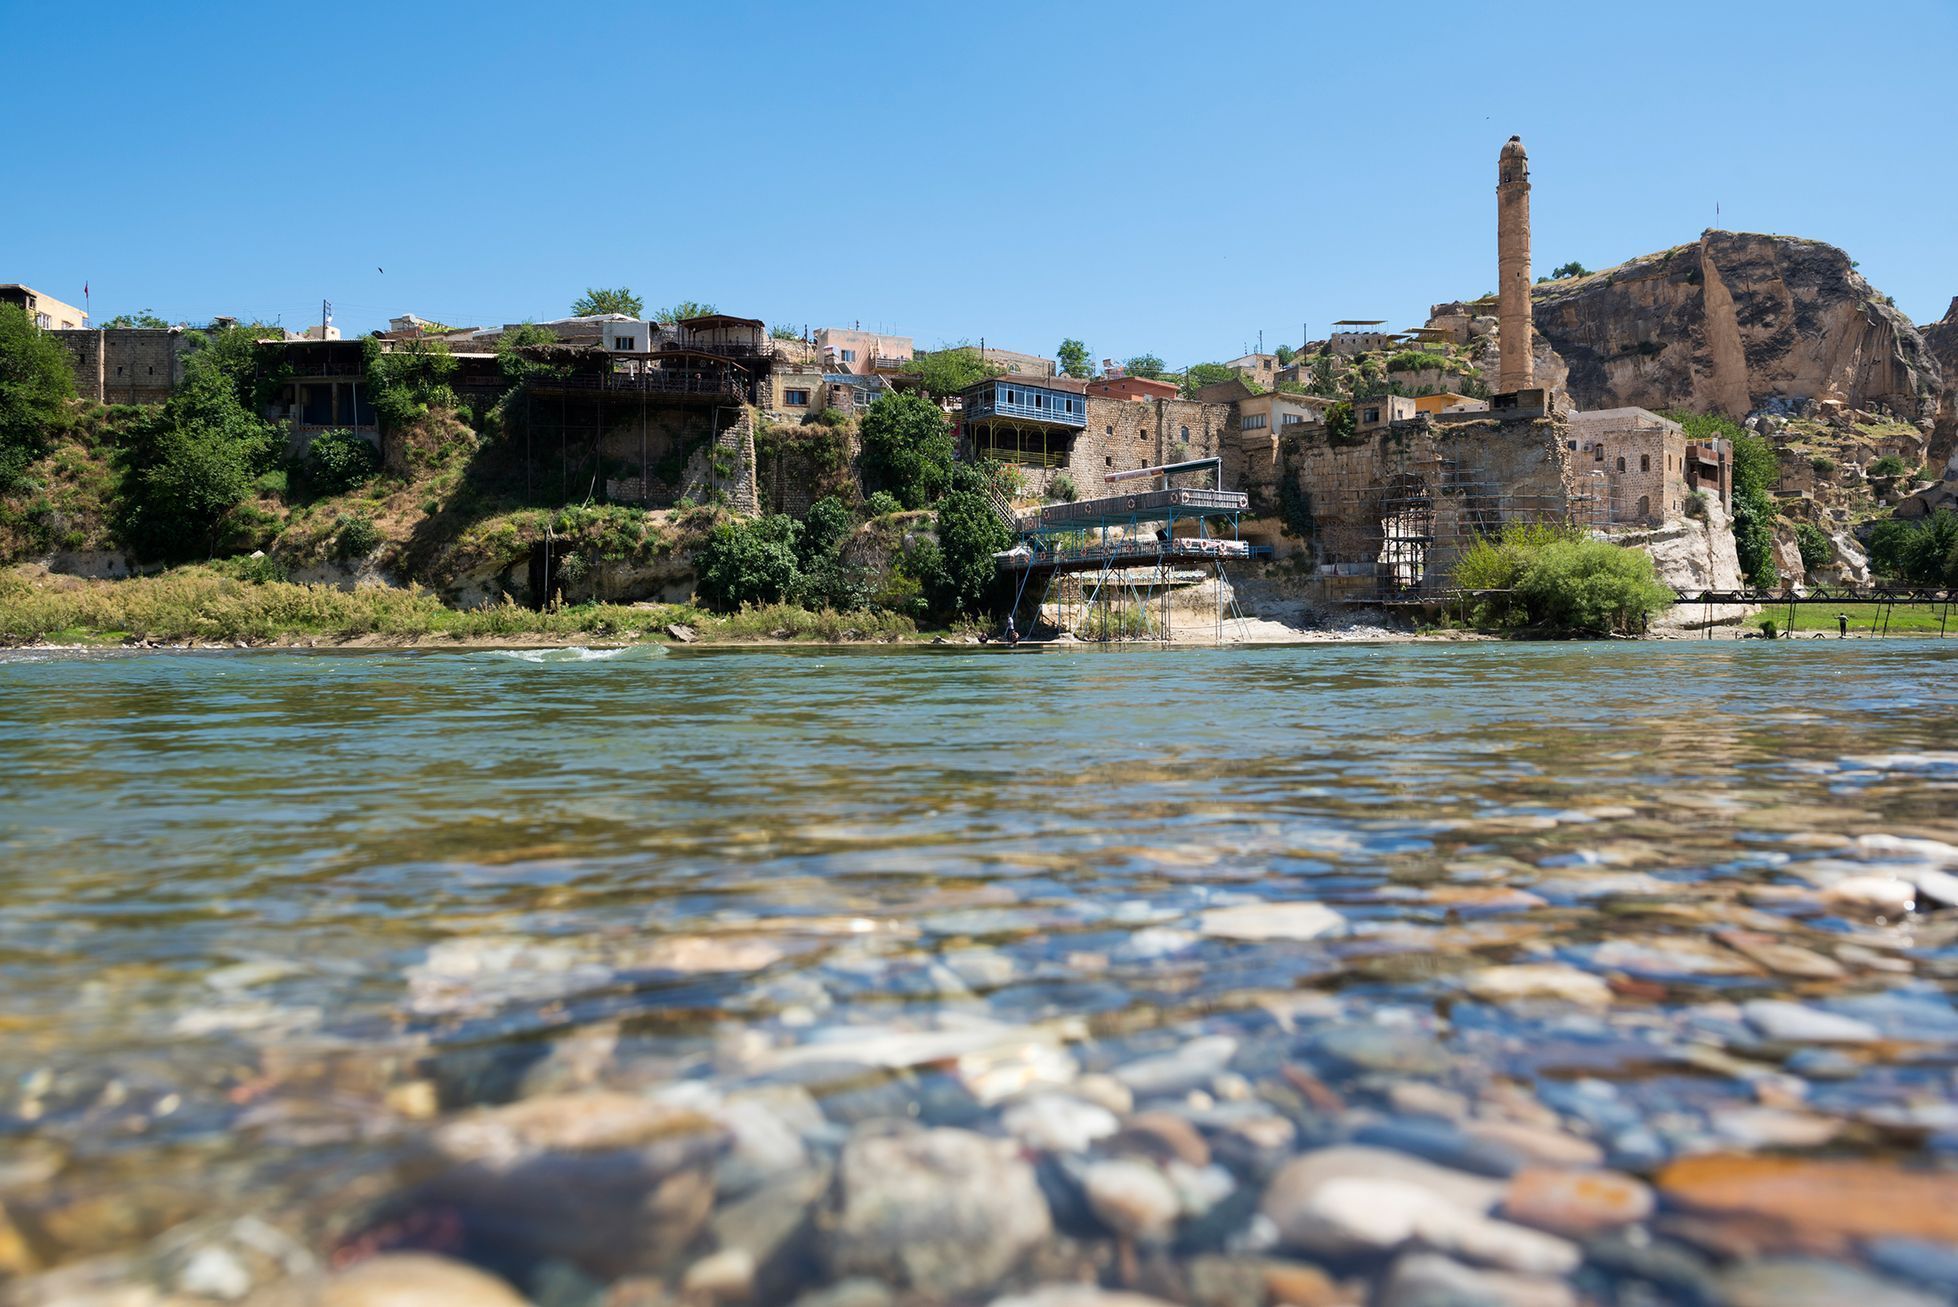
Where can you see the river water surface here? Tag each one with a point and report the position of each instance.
(1617, 973)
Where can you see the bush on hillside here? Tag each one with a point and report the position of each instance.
(907, 449)
(1555, 581)
(35, 387)
(965, 578)
(1888, 466)
(1816, 548)
(338, 460)
(748, 562)
(1923, 552)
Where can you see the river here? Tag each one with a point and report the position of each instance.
(1218, 975)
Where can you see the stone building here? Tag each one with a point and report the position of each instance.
(1646, 464)
(45, 311)
(1014, 363)
(1261, 368)
(1127, 387)
(850, 349)
(126, 365)
(1359, 336)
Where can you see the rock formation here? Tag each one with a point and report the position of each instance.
(1942, 339)
(1732, 323)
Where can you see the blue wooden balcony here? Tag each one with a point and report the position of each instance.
(1025, 401)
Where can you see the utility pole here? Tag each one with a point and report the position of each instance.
(326, 316)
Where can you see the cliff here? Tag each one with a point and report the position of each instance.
(1942, 338)
(1732, 322)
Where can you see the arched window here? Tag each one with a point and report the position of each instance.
(1621, 465)
(1645, 462)
(1186, 433)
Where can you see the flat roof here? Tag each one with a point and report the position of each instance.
(1360, 322)
(719, 320)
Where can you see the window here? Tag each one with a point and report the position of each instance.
(1571, 445)
(1109, 429)
(1252, 422)
(1291, 419)
(1186, 432)
(1108, 460)
(118, 369)
(795, 398)
(1645, 462)
(1373, 415)
(1621, 464)
(1597, 453)
(849, 355)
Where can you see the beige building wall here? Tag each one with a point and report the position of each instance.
(855, 350)
(1014, 363)
(45, 311)
(1642, 458)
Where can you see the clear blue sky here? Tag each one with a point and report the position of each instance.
(1147, 177)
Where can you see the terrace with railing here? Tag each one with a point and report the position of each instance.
(1043, 402)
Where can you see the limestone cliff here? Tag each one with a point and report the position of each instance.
(1733, 322)
(1942, 338)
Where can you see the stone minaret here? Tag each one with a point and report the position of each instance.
(1517, 338)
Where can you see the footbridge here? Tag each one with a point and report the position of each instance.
(1107, 567)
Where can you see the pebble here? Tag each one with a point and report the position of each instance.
(1887, 894)
(598, 1119)
(1424, 1279)
(1388, 1049)
(1797, 1023)
(1575, 1203)
(1782, 957)
(1533, 980)
(1804, 1282)
(1165, 1135)
(1352, 1216)
(941, 1211)
(1132, 1198)
(1057, 1123)
(1268, 921)
(1821, 1197)
(213, 1272)
(727, 1274)
(1077, 1295)
(396, 1280)
(1189, 1067)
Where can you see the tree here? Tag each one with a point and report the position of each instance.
(907, 449)
(35, 387)
(595, 300)
(143, 319)
(965, 578)
(946, 372)
(1571, 269)
(339, 460)
(1073, 356)
(749, 562)
(1285, 354)
(783, 331)
(683, 310)
(1199, 375)
(1145, 365)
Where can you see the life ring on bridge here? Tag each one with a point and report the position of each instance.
(1131, 502)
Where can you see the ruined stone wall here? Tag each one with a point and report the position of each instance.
(125, 365)
(1461, 479)
(1126, 434)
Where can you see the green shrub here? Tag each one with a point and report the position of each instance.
(1696, 505)
(882, 504)
(35, 389)
(355, 536)
(1816, 548)
(1822, 465)
(824, 527)
(1552, 580)
(1415, 360)
(276, 483)
(1062, 488)
(749, 562)
(258, 568)
(827, 417)
(1888, 466)
(965, 579)
(907, 449)
(1116, 622)
(338, 460)
(1923, 552)
(407, 381)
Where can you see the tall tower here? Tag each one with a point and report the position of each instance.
(1513, 267)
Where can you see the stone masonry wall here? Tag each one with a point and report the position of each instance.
(125, 365)
(1123, 435)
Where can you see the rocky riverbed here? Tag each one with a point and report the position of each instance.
(1492, 1009)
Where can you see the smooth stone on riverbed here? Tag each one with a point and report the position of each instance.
(1056, 1123)
(1351, 1216)
(1132, 1198)
(1575, 1203)
(396, 1280)
(1422, 1279)
(941, 1211)
(1392, 1049)
(1797, 1023)
(1269, 921)
(1539, 980)
(1188, 1067)
(1805, 1282)
(1077, 1295)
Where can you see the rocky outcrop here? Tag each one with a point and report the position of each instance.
(1734, 322)
(1942, 339)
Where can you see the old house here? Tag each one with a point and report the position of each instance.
(1260, 368)
(1647, 465)
(45, 311)
(1359, 336)
(851, 349)
(1132, 388)
(126, 365)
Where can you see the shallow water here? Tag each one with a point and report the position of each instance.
(272, 924)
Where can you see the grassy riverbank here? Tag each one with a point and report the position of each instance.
(196, 604)
(1904, 619)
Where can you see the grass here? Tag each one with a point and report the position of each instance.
(1905, 619)
(197, 604)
